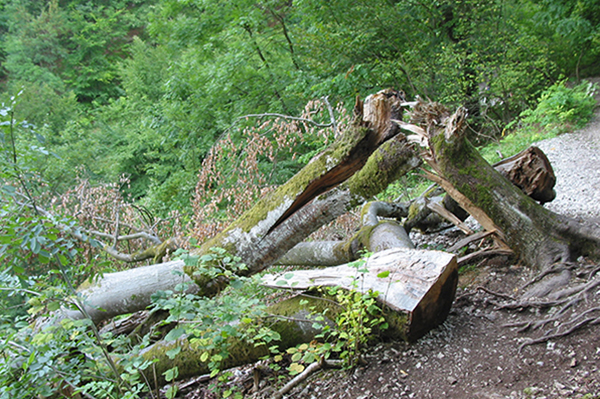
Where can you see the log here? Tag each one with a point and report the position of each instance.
(531, 171)
(419, 285)
(538, 236)
(416, 296)
(128, 291)
(367, 157)
(375, 235)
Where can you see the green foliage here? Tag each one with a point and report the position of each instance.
(358, 317)
(560, 109)
(210, 324)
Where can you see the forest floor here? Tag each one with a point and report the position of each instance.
(476, 352)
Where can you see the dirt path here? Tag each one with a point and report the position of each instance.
(474, 354)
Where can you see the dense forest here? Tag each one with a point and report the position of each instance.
(177, 115)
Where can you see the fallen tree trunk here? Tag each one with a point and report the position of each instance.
(375, 235)
(367, 158)
(530, 170)
(363, 162)
(418, 285)
(538, 236)
(415, 290)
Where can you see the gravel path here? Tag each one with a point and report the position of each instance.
(575, 158)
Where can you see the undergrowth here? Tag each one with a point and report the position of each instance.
(560, 109)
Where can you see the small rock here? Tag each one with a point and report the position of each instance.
(573, 362)
(452, 380)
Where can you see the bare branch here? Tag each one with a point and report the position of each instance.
(293, 118)
(331, 115)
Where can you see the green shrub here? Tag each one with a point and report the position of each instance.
(560, 109)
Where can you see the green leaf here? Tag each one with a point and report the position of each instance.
(384, 274)
(171, 373)
(171, 392)
(171, 353)
(204, 357)
(175, 334)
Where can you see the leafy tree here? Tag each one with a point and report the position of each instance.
(573, 32)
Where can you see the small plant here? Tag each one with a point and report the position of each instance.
(354, 324)
(212, 324)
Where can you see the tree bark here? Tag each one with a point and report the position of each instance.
(415, 297)
(363, 162)
(538, 236)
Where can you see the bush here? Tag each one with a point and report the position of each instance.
(562, 108)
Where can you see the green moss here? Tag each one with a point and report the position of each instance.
(386, 165)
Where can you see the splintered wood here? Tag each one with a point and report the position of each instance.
(416, 283)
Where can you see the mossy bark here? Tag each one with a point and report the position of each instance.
(539, 236)
(294, 327)
(365, 161)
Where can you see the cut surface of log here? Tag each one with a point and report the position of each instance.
(418, 284)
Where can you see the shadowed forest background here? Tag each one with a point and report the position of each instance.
(165, 120)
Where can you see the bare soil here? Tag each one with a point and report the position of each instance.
(480, 351)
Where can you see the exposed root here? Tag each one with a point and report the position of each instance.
(557, 267)
(558, 323)
(481, 288)
(304, 375)
(589, 321)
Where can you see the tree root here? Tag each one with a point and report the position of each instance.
(304, 375)
(560, 324)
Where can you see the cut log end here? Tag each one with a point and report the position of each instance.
(418, 287)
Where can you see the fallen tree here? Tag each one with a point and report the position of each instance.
(369, 156)
(540, 238)
(414, 287)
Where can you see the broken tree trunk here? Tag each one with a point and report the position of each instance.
(538, 236)
(362, 163)
(530, 170)
(369, 156)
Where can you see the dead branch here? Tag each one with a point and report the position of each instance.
(313, 367)
(282, 116)
(155, 252)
